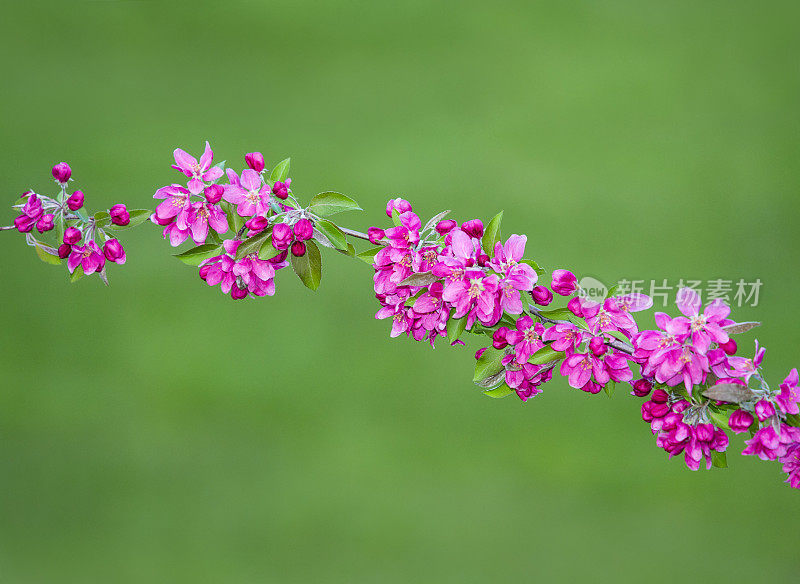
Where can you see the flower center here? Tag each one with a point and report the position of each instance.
(475, 288)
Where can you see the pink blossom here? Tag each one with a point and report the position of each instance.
(564, 282)
(789, 396)
(474, 228)
(198, 172)
(113, 251)
(475, 296)
(203, 215)
(238, 277)
(769, 444)
(399, 205)
(254, 160)
(88, 256)
(791, 465)
(764, 410)
(564, 337)
(249, 194)
(743, 367)
(176, 206)
(740, 421)
(407, 233)
(705, 328)
(527, 338)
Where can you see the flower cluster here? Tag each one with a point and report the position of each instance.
(83, 240)
(449, 279)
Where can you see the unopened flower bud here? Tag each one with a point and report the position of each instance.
(729, 347)
(62, 172)
(575, 306)
(740, 421)
(45, 222)
(764, 410)
(213, 193)
(473, 228)
(659, 410)
(303, 230)
(660, 396)
(282, 236)
(298, 249)
(75, 200)
(280, 258)
(204, 270)
(483, 259)
(257, 223)
(598, 346)
(445, 226)
(398, 204)
(281, 189)
(64, 250)
(113, 251)
(255, 160)
(564, 282)
(541, 295)
(72, 235)
(642, 387)
(499, 338)
(704, 432)
(375, 235)
(119, 214)
(238, 293)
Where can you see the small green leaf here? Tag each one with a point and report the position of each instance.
(308, 267)
(252, 244)
(138, 216)
(499, 392)
(76, 275)
(532, 263)
(350, 251)
(267, 250)
(330, 203)
(281, 171)
(489, 364)
(335, 235)
(609, 388)
(612, 291)
(46, 255)
(396, 217)
(102, 218)
(455, 328)
(793, 420)
(720, 418)
(545, 355)
(368, 256)
(719, 459)
(195, 255)
(491, 234)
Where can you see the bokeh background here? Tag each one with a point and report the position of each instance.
(157, 431)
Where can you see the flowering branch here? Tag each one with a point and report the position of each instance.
(445, 280)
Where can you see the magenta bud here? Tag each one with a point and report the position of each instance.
(541, 295)
(564, 282)
(729, 347)
(660, 396)
(659, 410)
(45, 222)
(764, 410)
(303, 230)
(445, 226)
(592, 387)
(64, 250)
(113, 251)
(280, 258)
(282, 236)
(598, 346)
(704, 432)
(642, 387)
(119, 214)
(479, 353)
(62, 172)
(499, 338)
(213, 193)
(483, 259)
(257, 223)
(238, 293)
(255, 160)
(204, 270)
(575, 306)
(398, 204)
(473, 228)
(298, 249)
(72, 235)
(375, 235)
(75, 200)
(281, 189)
(740, 421)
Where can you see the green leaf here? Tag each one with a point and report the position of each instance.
(455, 328)
(498, 392)
(138, 216)
(308, 267)
(252, 244)
(281, 171)
(76, 275)
(195, 255)
(491, 234)
(489, 364)
(350, 251)
(368, 256)
(46, 255)
(719, 459)
(102, 218)
(235, 222)
(609, 388)
(793, 420)
(545, 355)
(612, 291)
(335, 235)
(267, 250)
(720, 418)
(396, 217)
(532, 263)
(330, 203)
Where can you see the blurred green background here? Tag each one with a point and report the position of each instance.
(158, 432)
